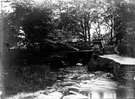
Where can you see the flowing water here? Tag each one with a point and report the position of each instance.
(77, 83)
(97, 85)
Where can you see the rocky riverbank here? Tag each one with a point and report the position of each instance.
(77, 83)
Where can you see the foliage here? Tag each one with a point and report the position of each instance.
(34, 23)
(124, 28)
(31, 25)
(76, 17)
(25, 78)
(59, 22)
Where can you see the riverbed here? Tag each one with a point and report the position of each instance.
(77, 83)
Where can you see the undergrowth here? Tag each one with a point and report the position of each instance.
(27, 78)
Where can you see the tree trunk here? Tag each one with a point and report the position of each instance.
(111, 29)
(85, 28)
(85, 34)
(89, 36)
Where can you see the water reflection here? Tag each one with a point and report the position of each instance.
(99, 86)
(103, 95)
(123, 93)
(120, 93)
(106, 89)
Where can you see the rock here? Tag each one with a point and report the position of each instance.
(68, 83)
(54, 95)
(75, 95)
(42, 96)
(79, 64)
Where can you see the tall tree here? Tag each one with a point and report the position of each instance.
(124, 28)
(31, 22)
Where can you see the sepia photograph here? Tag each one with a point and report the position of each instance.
(67, 49)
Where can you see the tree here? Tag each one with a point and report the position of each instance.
(67, 20)
(124, 28)
(109, 18)
(30, 24)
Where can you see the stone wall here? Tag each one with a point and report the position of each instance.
(122, 73)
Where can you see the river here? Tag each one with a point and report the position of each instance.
(96, 85)
(77, 83)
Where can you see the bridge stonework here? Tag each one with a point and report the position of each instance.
(123, 68)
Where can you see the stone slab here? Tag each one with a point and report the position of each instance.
(120, 59)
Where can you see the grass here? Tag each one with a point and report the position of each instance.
(27, 78)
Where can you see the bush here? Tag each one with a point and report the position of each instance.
(28, 78)
(100, 64)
